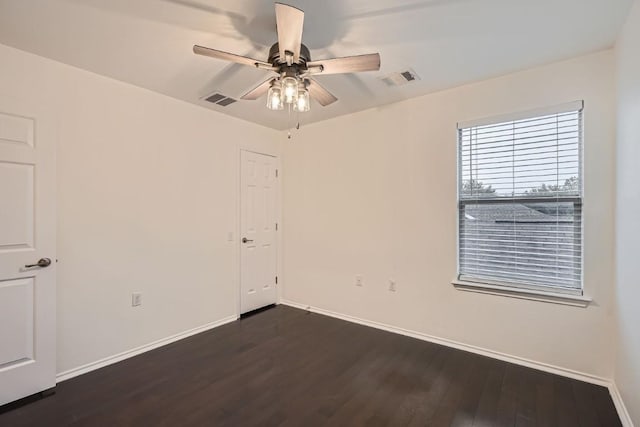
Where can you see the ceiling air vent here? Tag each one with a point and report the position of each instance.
(400, 78)
(220, 99)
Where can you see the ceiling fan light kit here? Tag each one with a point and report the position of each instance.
(291, 60)
(288, 91)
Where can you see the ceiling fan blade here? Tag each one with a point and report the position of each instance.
(290, 21)
(226, 56)
(348, 64)
(320, 94)
(258, 91)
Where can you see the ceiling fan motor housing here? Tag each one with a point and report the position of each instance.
(276, 61)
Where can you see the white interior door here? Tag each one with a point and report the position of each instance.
(258, 259)
(27, 234)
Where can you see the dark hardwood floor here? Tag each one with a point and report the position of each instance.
(285, 367)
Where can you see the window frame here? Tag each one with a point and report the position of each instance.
(519, 288)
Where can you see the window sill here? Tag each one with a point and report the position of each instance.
(549, 297)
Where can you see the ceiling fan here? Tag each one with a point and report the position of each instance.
(291, 60)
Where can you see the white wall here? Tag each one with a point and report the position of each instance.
(627, 374)
(374, 193)
(147, 192)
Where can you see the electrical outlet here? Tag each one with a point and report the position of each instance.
(359, 280)
(136, 299)
(392, 285)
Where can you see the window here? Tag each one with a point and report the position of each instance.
(520, 201)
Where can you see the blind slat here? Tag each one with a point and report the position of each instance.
(533, 278)
(560, 124)
(472, 142)
(506, 155)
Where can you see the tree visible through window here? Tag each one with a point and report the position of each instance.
(520, 202)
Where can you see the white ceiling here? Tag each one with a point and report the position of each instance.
(447, 42)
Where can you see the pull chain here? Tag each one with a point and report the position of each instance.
(289, 122)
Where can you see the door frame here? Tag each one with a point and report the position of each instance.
(237, 247)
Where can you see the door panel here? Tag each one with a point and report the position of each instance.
(27, 233)
(16, 321)
(16, 217)
(257, 226)
(16, 129)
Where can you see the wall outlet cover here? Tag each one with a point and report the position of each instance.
(136, 299)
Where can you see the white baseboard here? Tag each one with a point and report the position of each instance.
(63, 376)
(581, 376)
(625, 418)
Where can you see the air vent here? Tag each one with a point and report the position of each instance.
(226, 102)
(220, 99)
(400, 78)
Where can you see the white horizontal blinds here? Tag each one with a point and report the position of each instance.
(520, 189)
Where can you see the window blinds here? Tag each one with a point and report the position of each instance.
(520, 201)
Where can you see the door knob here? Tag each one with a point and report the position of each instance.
(42, 262)
(245, 240)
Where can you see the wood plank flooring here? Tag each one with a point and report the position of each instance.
(287, 367)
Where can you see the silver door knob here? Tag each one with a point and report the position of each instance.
(245, 240)
(42, 262)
